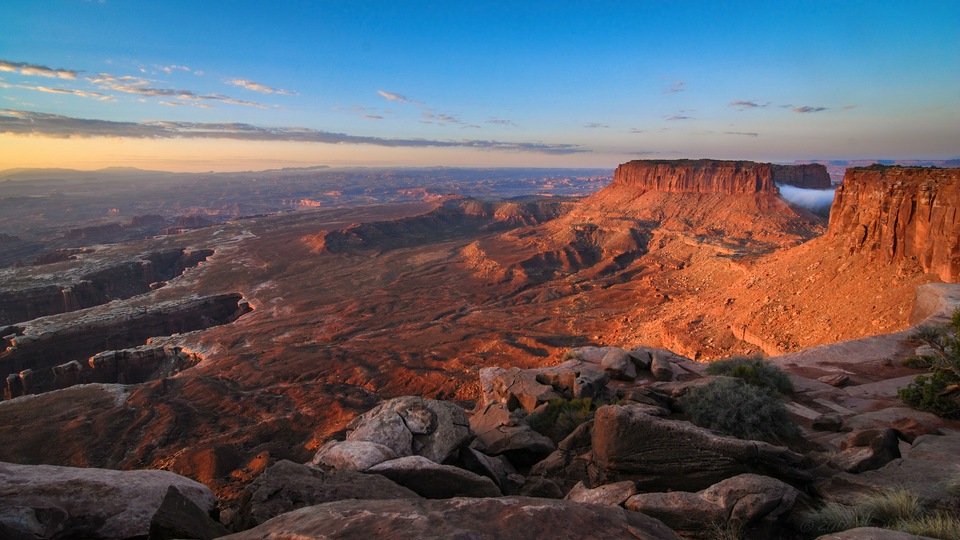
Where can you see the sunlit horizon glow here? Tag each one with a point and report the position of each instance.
(170, 86)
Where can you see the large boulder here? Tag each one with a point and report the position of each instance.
(665, 455)
(869, 449)
(514, 387)
(435, 481)
(501, 432)
(412, 425)
(614, 494)
(286, 486)
(45, 501)
(872, 533)
(519, 518)
(618, 364)
(352, 455)
(742, 500)
(179, 517)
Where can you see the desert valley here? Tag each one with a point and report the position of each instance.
(222, 346)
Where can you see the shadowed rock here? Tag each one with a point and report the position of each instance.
(435, 481)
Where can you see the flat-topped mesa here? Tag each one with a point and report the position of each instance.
(904, 215)
(717, 176)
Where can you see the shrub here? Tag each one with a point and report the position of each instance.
(560, 417)
(836, 517)
(754, 370)
(939, 392)
(742, 410)
(899, 510)
(891, 506)
(934, 525)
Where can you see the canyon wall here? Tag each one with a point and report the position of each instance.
(906, 216)
(809, 176)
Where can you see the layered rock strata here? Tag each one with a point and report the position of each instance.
(714, 176)
(906, 216)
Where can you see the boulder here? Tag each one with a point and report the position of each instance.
(543, 488)
(618, 364)
(660, 367)
(641, 358)
(576, 378)
(519, 518)
(837, 380)
(866, 450)
(614, 494)
(179, 517)
(434, 481)
(515, 388)
(286, 486)
(828, 422)
(909, 429)
(743, 500)
(663, 455)
(871, 533)
(571, 462)
(496, 469)
(500, 432)
(44, 501)
(352, 455)
(413, 425)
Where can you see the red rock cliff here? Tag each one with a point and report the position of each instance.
(809, 176)
(697, 176)
(906, 215)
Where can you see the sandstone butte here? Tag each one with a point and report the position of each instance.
(350, 306)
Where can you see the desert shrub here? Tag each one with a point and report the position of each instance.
(938, 392)
(560, 417)
(754, 370)
(727, 530)
(739, 409)
(898, 509)
(570, 355)
(930, 393)
(916, 362)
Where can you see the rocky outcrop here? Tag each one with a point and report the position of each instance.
(807, 176)
(435, 481)
(58, 351)
(905, 216)
(520, 518)
(43, 501)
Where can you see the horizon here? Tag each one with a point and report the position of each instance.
(89, 85)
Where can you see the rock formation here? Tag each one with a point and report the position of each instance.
(809, 176)
(903, 216)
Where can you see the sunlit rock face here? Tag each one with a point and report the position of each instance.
(904, 216)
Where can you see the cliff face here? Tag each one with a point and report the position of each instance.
(905, 215)
(809, 176)
(697, 176)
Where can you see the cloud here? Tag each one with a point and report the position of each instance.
(79, 93)
(500, 121)
(396, 97)
(678, 86)
(808, 109)
(635, 130)
(848, 107)
(371, 116)
(677, 117)
(172, 68)
(34, 69)
(816, 200)
(595, 125)
(263, 89)
(17, 122)
(138, 86)
(745, 134)
(745, 105)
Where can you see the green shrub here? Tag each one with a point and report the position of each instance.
(755, 370)
(836, 517)
(929, 393)
(891, 506)
(938, 392)
(739, 409)
(560, 417)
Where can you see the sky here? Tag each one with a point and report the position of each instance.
(246, 85)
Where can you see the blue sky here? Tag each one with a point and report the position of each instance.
(241, 85)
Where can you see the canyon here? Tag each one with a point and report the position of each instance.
(219, 350)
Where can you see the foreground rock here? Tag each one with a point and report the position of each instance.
(287, 486)
(665, 455)
(435, 481)
(507, 517)
(43, 501)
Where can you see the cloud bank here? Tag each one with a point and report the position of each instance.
(24, 68)
(17, 122)
(816, 200)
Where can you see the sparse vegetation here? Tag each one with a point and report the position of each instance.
(560, 417)
(899, 510)
(727, 530)
(754, 370)
(745, 411)
(938, 392)
(952, 484)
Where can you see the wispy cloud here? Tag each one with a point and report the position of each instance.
(676, 117)
(262, 88)
(24, 68)
(743, 105)
(171, 68)
(745, 134)
(500, 122)
(138, 86)
(595, 125)
(396, 97)
(848, 107)
(678, 86)
(79, 93)
(371, 116)
(808, 109)
(635, 130)
(18, 122)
